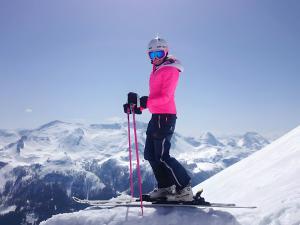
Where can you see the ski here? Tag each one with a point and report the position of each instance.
(90, 202)
(198, 202)
(145, 197)
(153, 204)
(157, 205)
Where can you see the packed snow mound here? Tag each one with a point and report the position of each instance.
(268, 179)
(159, 216)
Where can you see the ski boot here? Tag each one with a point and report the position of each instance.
(160, 193)
(183, 195)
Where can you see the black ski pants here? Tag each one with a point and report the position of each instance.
(167, 170)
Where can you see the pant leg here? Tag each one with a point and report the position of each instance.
(167, 170)
(176, 172)
(161, 173)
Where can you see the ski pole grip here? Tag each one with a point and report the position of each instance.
(133, 98)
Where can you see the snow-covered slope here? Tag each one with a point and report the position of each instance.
(91, 161)
(160, 216)
(268, 179)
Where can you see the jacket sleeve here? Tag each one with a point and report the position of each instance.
(169, 82)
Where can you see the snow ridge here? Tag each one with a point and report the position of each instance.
(268, 179)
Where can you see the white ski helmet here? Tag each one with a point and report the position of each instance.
(157, 44)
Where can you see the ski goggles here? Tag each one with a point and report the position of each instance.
(157, 54)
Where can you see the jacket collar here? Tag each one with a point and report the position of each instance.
(170, 61)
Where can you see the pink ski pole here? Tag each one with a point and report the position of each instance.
(137, 161)
(130, 153)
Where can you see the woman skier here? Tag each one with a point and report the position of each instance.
(173, 182)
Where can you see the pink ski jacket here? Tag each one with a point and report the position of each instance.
(162, 86)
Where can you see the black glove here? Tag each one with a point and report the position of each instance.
(143, 101)
(133, 98)
(136, 109)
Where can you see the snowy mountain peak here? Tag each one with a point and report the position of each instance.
(6, 133)
(252, 140)
(52, 124)
(7, 137)
(208, 138)
(107, 126)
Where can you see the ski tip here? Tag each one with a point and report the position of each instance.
(77, 199)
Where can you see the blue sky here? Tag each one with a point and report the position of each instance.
(76, 60)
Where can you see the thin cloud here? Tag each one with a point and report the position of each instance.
(28, 110)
